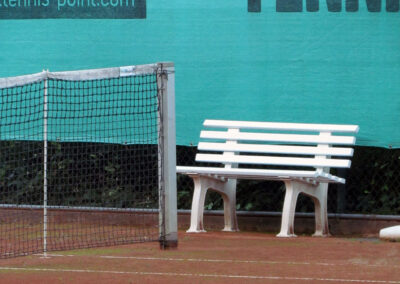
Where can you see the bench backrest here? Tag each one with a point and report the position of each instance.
(280, 144)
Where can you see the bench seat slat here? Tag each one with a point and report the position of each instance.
(271, 160)
(261, 174)
(273, 137)
(275, 149)
(281, 126)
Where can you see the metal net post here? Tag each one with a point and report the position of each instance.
(167, 160)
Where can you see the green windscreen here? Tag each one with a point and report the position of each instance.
(315, 62)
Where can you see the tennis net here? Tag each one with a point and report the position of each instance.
(87, 159)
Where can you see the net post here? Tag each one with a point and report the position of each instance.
(168, 217)
(45, 110)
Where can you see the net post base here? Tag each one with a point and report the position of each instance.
(168, 245)
(169, 241)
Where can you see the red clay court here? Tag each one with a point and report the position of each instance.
(217, 257)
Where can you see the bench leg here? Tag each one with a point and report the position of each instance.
(197, 212)
(289, 209)
(320, 199)
(319, 195)
(228, 192)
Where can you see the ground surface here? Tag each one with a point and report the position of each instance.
(217, 257)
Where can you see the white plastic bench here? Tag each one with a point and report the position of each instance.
(304, 150)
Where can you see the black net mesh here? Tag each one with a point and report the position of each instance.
(21, 170)
(372, 186)
(102, 167)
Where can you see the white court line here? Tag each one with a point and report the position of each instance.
(224, 260)
(283, 278)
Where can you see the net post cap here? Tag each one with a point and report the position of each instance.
(166, 64)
